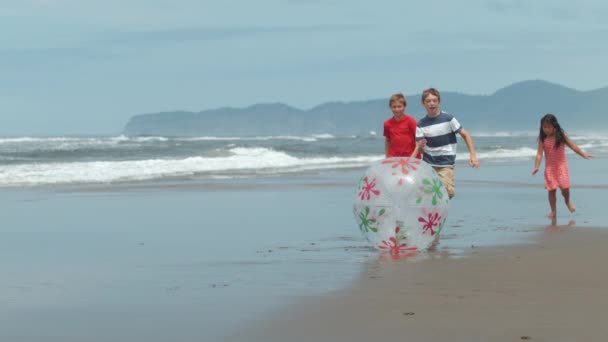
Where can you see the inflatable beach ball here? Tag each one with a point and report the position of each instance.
(401, 205)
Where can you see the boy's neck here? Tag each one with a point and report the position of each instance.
(433, 114)
(398, 116)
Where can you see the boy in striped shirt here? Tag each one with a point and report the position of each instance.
(436, 136)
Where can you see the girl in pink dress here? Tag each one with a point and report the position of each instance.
(552, 141)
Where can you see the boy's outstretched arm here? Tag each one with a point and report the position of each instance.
(539, 157)
(575, 148)
(420, 142)
(472, 154)
(419, 147)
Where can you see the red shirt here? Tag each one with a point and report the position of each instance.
(401, 136)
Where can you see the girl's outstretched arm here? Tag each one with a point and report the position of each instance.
(539, 157)
(575, 148)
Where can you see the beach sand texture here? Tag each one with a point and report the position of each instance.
(556, 290)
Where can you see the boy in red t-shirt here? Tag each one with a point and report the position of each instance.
(400, 130)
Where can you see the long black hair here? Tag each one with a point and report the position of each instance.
(560, 136)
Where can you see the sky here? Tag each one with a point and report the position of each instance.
(81, 67)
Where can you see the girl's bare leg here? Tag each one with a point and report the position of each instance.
(566, 194)
(552, 204)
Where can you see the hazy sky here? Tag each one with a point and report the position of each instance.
(82, 66)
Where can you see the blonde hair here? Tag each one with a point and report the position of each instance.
(397, 98)
(431, 91)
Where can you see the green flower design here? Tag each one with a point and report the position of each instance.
(433, 188)
(359, 185)
(440, 226)
(367, 222)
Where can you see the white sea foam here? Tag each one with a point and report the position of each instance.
(594, 137)
(311, 138)
(124, 138)
(32, 139)
(253, 160)
(504, 134)
(504, 154)
(57, 142)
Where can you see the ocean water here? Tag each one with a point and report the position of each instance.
(27, 161)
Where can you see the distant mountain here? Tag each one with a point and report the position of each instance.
(514, 108)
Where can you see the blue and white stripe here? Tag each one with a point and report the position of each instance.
(440, 133)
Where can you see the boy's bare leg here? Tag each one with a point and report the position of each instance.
(566, 194)
(434, 244)
(552, 204)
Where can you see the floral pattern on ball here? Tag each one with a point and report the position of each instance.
(401, 205)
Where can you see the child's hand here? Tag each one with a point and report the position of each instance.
(421, 143)
(473, 162)
(587, 156)
(534, 171)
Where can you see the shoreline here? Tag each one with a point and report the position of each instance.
(552, 290)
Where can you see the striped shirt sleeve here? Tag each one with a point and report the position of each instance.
(455, 125)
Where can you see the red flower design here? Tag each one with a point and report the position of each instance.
(431, 222)
(404, 163)
(395, 244)
(368, 189)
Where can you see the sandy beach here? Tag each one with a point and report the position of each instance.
(556, 290)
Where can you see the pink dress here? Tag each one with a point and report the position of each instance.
(556, 166)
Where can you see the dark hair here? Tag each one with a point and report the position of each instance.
(430, 91)
(560, 137)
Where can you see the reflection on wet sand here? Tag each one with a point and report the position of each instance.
(555, 227)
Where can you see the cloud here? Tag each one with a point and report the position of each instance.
(110, 45)
(507, 39)
(563, 14)
(558, 10)
(219, 33)
(58, 57)
(317, 2)
(512, 6)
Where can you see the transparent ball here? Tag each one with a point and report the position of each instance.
(401, 205)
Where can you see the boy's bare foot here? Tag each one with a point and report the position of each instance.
(551, 214)
(571, 207)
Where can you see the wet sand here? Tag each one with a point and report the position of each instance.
(556, 290)
(192, 260)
